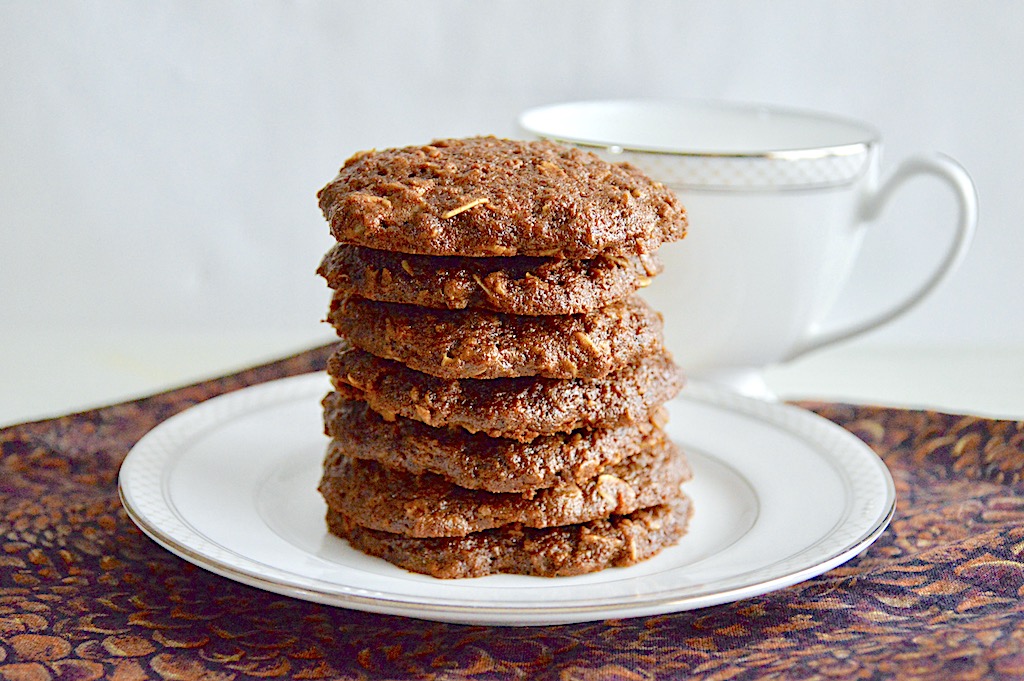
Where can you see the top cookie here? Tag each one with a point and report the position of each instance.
(485, 196)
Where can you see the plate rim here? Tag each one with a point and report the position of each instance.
(798, 422)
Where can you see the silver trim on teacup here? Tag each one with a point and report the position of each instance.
(769, 169)
(788, 154)
(776, 170)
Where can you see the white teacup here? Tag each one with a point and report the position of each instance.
(778, 201)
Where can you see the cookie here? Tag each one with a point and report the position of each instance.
(427, 505)
(474, 460)
(617, 541)
(519, 408)
(486, 197)
(484, 344)
(518, 285)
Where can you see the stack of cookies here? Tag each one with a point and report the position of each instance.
(497, 402)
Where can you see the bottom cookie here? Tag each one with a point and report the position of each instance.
(617, 541)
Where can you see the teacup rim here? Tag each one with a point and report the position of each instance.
(871, 136)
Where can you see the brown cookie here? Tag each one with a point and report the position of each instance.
(519, 285)
(427, 505)
(485, 196)
(484, 344)
(617, 541)
(518, 408)
(475, 460)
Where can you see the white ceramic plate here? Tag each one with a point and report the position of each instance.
(780, 495)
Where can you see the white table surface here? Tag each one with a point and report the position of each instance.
(43, 375)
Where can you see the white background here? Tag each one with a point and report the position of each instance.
(159, 161)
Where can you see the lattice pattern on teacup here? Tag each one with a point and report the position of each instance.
(753, 172)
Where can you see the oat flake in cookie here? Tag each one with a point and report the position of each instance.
(486, 197)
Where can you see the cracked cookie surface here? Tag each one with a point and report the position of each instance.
(486, 197)
(515, 285)
(518, 408)
(475, 460)
(483, 344)
(617, 541)
(427, 505)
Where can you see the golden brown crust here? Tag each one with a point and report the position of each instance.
(427, 505)
(474, 460)
(617, 541)
(486, 197)
(518, 408)
(517, 285)
(484, 344)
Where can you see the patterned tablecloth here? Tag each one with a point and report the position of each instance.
(85, 595)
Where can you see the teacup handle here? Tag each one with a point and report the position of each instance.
(954, 175)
